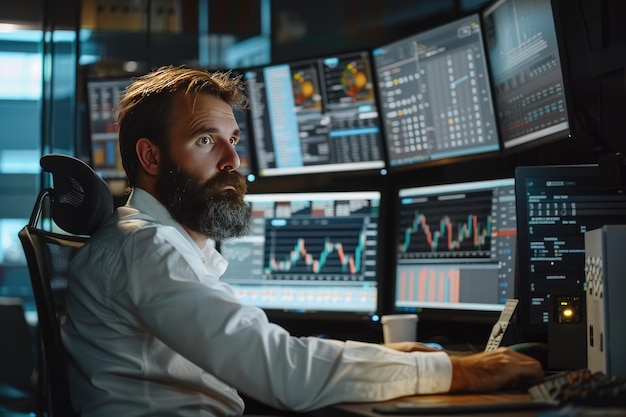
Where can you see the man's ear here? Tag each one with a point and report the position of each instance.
(149, 156)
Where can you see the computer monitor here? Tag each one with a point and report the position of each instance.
(244, 146)
(315, 116)
(455, 249)
(308, 253)
(526, 67)
(103, 94)
(435, 95)
(556, 205)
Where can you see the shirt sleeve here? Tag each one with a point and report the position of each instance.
(172, 293)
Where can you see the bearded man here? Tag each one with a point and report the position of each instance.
(151, 329)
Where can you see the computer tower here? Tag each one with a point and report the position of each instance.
(567, 325)
(605, 269)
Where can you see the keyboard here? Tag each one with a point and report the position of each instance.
(581, 387)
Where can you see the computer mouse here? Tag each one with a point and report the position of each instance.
(536, 350)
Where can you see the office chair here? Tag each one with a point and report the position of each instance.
(78, 203)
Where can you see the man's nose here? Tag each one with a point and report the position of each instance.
(229, 160)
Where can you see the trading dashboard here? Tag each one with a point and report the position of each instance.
(308, 252)
(456, 246)
(556, 205)
(103, 96)
(315, 116)
(526, 67)
(435, 94)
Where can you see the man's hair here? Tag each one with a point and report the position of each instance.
(145, 109)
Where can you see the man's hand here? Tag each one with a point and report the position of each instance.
(489, 371)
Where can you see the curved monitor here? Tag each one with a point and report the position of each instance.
(527, 71)
(315, 116)
(455, 248)
(308, 253)
(435, 95)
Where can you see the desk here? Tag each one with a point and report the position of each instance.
(366, 409)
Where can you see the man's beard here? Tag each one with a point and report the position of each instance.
(205, 208)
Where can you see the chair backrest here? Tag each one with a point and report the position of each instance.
(78, 202)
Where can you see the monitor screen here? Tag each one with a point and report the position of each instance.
(435, 95)
(243, 146)
(527, 72)
(556, 205)
(103, 95)
(456, 246)
(315, 116)
(308, 252)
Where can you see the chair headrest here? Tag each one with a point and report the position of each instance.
(80, 200)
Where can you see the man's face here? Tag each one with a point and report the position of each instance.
(197, 182)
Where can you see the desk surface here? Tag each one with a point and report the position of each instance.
(367, 409)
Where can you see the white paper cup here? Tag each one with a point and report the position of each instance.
(399, 328)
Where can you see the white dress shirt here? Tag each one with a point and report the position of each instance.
(152, 331)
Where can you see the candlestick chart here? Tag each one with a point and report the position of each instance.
(315, 247)
(442, 228)
(456, 246)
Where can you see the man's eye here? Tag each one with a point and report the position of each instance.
(233, 141)
(205, 140)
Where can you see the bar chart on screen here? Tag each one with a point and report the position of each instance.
(434, 284)
(456, 246)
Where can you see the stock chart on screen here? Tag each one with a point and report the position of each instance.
(308, 252)
(456, 246)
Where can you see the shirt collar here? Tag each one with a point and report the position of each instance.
(147, 203)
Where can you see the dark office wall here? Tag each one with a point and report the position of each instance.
(306, 28)
(595, 45)
(30, 14)
(23, 12)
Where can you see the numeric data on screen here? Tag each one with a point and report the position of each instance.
(526, 68)
(103, 95)
(558, 204)
(435, 95)
(315, 116)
